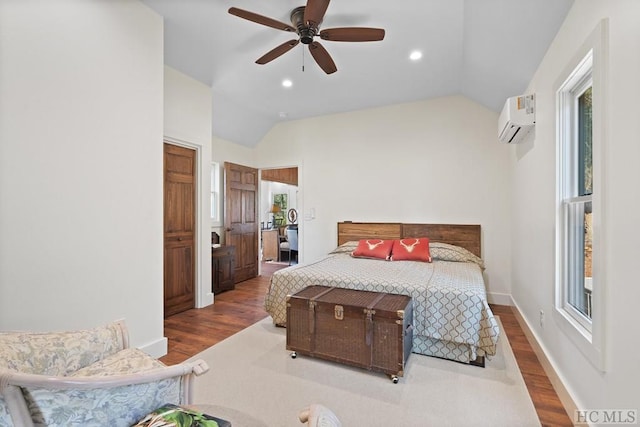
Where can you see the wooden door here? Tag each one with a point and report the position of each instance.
(179, 229)
(241, 217)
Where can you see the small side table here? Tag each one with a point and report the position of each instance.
(270, 245)
(223, 264)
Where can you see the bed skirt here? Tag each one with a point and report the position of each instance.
(459, 352)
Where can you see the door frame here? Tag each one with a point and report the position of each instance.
(204, 294)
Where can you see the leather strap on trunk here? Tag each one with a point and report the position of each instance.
(312, 314)
(369, 312)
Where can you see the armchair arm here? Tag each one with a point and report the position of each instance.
(15, 405)
(9, 378)
(102, 400)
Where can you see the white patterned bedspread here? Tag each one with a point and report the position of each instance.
(449, 298)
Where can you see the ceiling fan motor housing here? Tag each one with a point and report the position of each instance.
(306, 32)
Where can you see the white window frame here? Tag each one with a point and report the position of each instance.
(571, 203)
(588, 68)
(216, 214)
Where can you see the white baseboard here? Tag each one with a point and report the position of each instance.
(205, 300)
(499, 299)
(157, 348)
(563, 394)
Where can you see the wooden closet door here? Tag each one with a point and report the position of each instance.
(179, 229)
(241, 217)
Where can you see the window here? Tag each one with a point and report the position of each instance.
(576, 196)
(579, 276)
(215, 194)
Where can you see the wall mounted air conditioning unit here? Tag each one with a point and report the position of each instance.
(517, 119)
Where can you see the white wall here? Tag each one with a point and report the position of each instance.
(533, 203)
(436, 161)
(226, 151)
(187, 122)
(81, 166)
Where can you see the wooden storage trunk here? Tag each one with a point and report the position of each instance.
(371, 330)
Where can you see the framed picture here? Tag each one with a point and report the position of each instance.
(280, 200)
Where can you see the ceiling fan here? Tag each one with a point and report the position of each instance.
(306, 22)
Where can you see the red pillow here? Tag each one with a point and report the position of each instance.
(411, 250)
(373, 248)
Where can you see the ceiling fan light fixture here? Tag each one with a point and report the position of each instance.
(306, 35)
(287, 83)
(415, 55)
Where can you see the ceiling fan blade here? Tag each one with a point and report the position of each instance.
(276, 52)
(254, 17)
(314, 12)
(352, 34)
(322, 57)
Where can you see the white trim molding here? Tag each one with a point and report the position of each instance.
(590, 339)
(547, 364)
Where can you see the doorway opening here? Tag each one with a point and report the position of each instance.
(279, 218)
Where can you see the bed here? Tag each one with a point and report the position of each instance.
(452, 318)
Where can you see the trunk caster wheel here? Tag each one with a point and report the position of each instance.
(294, 355)
(395, 379)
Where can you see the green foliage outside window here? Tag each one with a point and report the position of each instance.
(585, 138)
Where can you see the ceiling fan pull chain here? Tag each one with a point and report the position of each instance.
(302, 59)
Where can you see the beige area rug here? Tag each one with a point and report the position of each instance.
(253, 382)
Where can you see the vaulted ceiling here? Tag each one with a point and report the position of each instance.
(486, 50)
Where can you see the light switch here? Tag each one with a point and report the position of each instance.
(310, 214)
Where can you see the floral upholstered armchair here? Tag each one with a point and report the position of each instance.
(85, 378)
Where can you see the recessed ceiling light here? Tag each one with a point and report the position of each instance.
(415, 55)
(287, 83)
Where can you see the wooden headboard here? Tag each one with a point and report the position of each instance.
(463, 235)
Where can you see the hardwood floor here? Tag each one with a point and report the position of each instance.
(195, 330)
(548, 406)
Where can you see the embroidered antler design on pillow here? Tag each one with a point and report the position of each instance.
(409, 247)
(373, 248)
(374, 244)
(411, 250)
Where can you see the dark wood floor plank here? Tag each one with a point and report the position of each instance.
(195, 330)
(545, 399)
